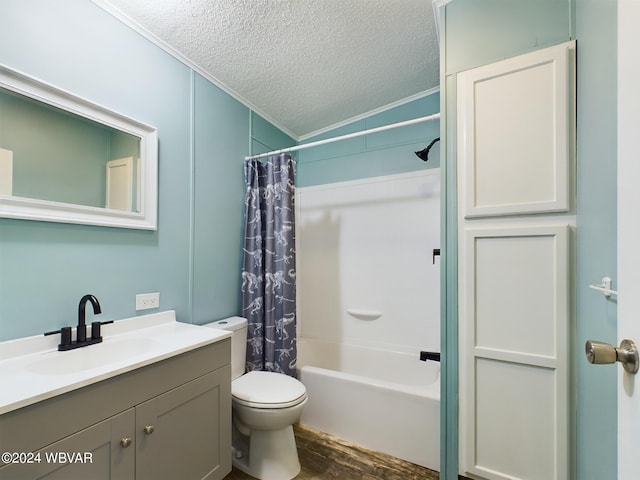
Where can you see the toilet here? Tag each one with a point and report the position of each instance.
(265, 405)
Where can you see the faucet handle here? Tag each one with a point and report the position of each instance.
(95, 330)
(65, 336)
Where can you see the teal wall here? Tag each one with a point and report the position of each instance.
(193, 258)
(383, 153)
(485, 31)
(266, 138)
(481, 32)
(122, 144)
(224, 129)
(596, 436)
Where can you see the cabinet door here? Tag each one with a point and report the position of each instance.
(516, 234)
(96, 453)
(186, 432)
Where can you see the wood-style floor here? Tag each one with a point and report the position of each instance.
(323, 456)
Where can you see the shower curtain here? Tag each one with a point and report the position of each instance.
(269, 260)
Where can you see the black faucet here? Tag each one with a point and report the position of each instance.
(81, 330)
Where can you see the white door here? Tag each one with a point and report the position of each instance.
(628, 230)
(6, 172)
(516, 214)
(119, 190)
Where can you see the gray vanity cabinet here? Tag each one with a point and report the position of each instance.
(168, 420)
(102, 457)
(176, 437)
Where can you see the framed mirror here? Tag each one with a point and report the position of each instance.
(66, 159)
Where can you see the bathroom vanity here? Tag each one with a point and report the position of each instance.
(153, 403)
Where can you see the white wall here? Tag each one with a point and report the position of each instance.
(367, 245)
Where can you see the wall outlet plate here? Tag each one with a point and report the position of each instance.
(145, 301)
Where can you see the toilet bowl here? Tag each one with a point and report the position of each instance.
(265, 405)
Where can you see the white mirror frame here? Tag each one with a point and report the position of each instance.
(44, 210)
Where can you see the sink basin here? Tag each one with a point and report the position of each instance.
(90, 357)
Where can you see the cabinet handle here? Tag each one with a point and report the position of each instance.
(148, 429)
(125, 442)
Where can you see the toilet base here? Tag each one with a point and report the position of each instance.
(272, 454)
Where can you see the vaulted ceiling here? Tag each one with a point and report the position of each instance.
(305, 65)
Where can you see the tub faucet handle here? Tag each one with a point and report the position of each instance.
(435, 356)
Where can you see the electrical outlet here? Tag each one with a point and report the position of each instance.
(145, 301)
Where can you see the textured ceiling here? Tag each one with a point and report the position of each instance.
(305, 65)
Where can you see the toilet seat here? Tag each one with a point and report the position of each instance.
(259, 389)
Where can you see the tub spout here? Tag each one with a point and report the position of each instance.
(435, 356)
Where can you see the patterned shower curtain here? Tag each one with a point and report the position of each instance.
(268, 272)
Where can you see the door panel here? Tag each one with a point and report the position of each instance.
(507, 435)
(628, 232)
(516, 306)
(516, 234)
(516, 367)
(6, 172)
(119, 186)
(509, 135)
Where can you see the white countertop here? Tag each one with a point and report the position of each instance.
(32, 369)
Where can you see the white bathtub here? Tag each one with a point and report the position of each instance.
(383, 400)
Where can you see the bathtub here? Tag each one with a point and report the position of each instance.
(383, 400)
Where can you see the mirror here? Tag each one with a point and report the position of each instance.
(65, 159)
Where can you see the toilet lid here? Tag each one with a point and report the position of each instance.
(268, 390)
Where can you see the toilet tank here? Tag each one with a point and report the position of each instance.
(238, 328)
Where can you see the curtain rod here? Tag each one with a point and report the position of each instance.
(435, 116)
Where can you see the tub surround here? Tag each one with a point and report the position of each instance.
(392, 303)
(32, 369)
(359, 355)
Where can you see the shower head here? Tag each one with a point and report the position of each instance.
(424, 153)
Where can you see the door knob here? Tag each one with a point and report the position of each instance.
(626, 353)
